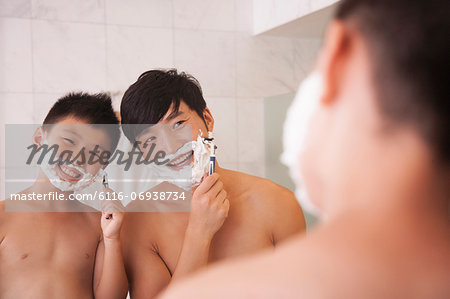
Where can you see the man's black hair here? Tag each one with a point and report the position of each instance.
(94, 109)
(409, 45)
(150, 97)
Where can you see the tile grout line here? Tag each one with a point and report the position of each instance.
(107, 87)
(238, 143)
(173, 34)
(32, 64)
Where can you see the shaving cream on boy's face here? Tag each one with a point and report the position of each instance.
(80, 183)
(295, 132)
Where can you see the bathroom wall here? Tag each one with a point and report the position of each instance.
(270, 14)
(50, 47)
(275, 109)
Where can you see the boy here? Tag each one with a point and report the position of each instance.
(65, 254)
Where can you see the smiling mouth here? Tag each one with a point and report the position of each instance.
(69, 173)
(181, 160)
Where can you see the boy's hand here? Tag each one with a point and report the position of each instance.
(210, 207)
(112, 217)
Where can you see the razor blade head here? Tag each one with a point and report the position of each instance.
(105, 181)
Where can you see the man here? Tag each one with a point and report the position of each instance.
(233, 214)
(376, 165)
(63, 254)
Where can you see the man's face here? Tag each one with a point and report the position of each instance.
(173, 131)
(72, 136)
(344, 148)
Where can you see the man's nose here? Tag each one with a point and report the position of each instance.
(169, 144)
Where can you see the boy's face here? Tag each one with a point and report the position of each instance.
(173, 130)
(73, 136)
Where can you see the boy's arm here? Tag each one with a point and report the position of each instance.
(110, 280)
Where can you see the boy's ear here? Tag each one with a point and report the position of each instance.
(209, 120)
(38, 136)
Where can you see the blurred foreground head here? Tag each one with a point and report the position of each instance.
(379, 131)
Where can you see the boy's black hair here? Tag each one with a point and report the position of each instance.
(409, 45)
(95, 109)
(150, 97)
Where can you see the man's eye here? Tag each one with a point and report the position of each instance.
(178, 124)
(69, 141)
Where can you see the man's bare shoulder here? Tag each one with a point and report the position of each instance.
(270, 202)
(263, 192)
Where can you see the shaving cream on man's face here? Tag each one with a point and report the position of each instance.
(296, 127)
(187, 177)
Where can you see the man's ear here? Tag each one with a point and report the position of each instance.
(209, 120)
(38, 136)
(332, 58)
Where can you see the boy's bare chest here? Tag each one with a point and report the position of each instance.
(38, 241)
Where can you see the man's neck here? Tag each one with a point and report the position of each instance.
(421, 211)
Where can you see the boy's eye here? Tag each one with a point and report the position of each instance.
(150, 139)
(69, 141)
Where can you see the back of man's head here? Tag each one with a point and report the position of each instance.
(410, 52)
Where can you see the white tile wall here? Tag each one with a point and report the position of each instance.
(269, 14)
(250, 114)
(223, 111)
(209, 15)
(15, 55)
(16, 108)
(133, 50)
(50, 47)
(22, 106)
(16, 8)
(42, 104)
(69, 10)
(210, 57)
(244, 15)
(264, 66)
(156, 13)
(68, 56)
(305, 52)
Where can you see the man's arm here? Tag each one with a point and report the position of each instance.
(209, 209)
(146, 268)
